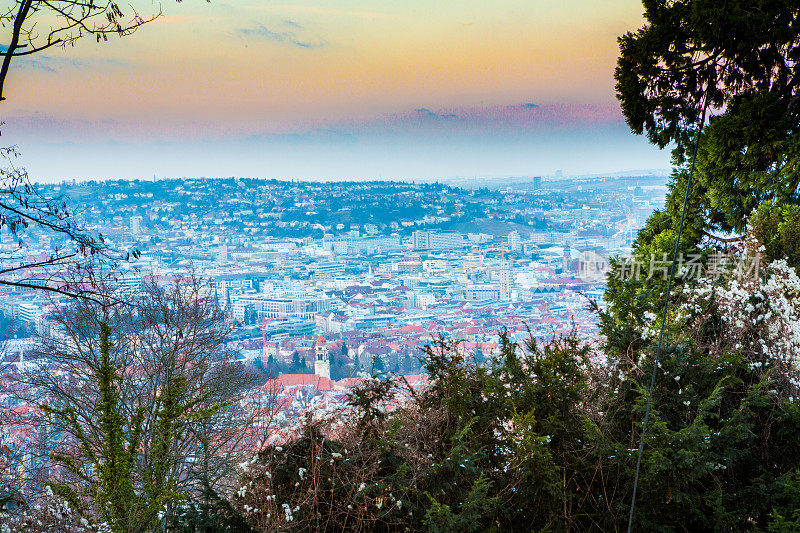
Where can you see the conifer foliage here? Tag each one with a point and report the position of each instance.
(482, 448)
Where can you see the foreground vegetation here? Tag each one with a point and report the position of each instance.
(538, 437)
(544, 440)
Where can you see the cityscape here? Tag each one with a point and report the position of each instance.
(288, 262)
(316, 299)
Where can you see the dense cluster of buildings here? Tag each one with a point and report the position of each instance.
(323, 282)
(371, 259)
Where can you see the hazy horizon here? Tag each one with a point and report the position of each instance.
(455, 181)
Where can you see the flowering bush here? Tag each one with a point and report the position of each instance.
(480, 447)
(757, 316)
(48, 513)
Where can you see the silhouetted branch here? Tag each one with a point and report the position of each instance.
(69, 21)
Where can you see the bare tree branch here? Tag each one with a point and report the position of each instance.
(69, 21)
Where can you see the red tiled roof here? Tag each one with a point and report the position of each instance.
(298, 380)
(348, 382)
(411, 329)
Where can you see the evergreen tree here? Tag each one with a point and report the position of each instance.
(715, 456)
(479, 357)
(506, 447)
(378, 366)
(298, 364)
(408, 365)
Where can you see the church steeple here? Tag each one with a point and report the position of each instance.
(322, 364)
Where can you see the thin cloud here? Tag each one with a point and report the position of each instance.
(511, 121)
(53, 64)
(36, 64)
(286, 37)
(424, 112)
(523, 107)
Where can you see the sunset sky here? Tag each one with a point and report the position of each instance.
(334, 90)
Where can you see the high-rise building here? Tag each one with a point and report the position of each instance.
(432, 240)
(136, 224)
(506, 276)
